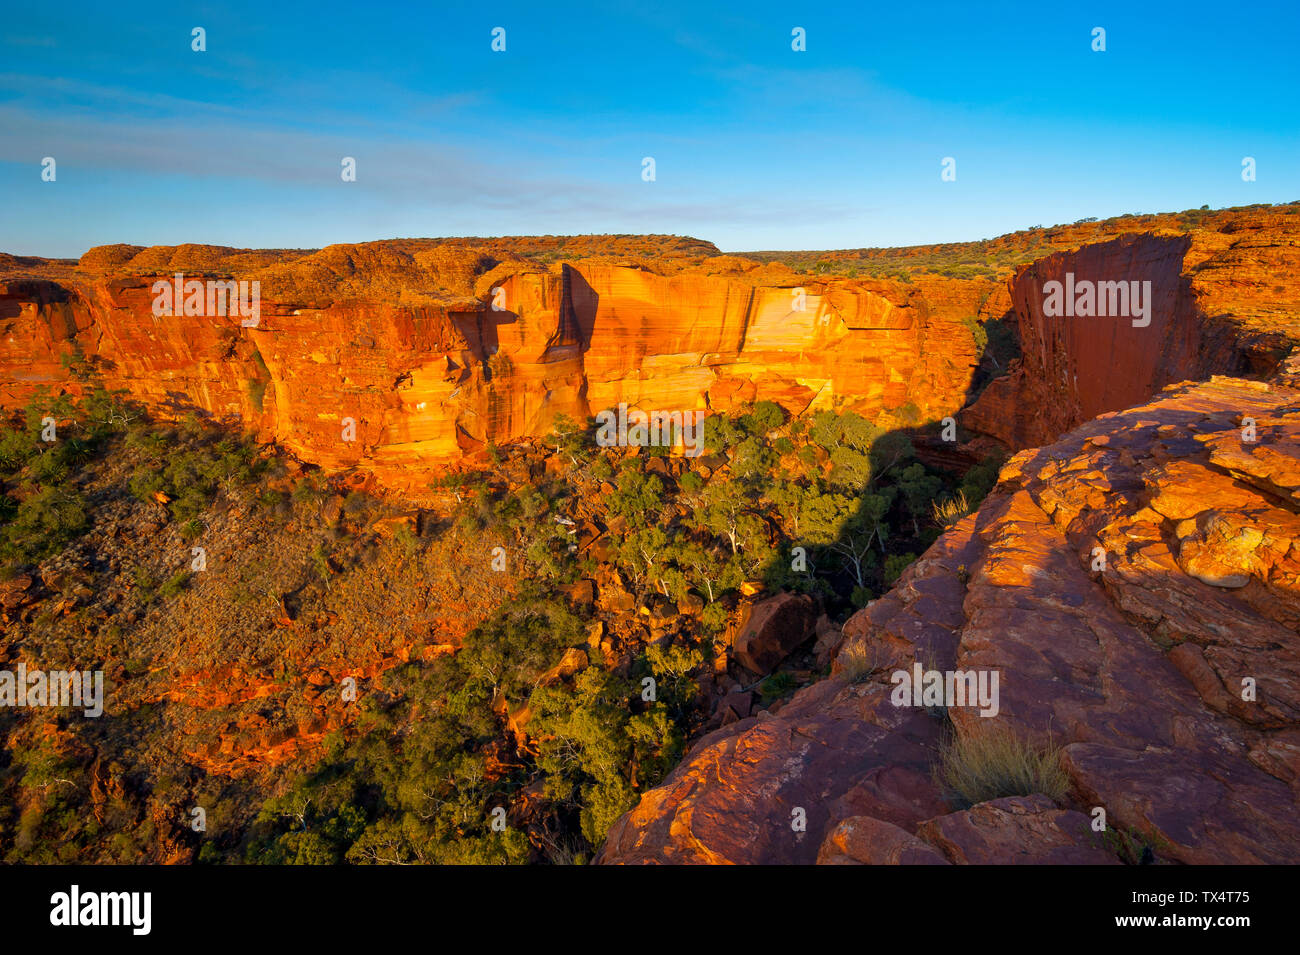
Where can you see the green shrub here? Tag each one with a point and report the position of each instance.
(776, 686)
(978, 333)
(895, 564)
(691, 483)
(43, 524)
(174, 585)
(601, 469)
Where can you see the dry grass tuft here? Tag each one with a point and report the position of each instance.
(994, 763)
(951, 510)
(859, 662)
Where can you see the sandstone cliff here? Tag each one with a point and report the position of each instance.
(402, 338)
(1134, 666)
(1220, 305)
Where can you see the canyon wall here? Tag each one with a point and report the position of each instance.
(495, 351)
(401, 336)
(1219, 305)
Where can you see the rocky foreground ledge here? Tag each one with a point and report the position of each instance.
(1134, 665)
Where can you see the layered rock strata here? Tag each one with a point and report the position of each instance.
(489, 348)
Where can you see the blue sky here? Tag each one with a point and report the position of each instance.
(756, 146)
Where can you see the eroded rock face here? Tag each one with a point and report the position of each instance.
(1217, 306)
(862, 840)
(399, 357)
(1100, 580)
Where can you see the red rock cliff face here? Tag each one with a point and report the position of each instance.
(429, 382)
(1218, 306)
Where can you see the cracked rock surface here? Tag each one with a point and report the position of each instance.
(1136, 585)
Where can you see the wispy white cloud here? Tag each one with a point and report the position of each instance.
(219, 151)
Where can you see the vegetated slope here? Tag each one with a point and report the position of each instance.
(221, 592)
(330, 675)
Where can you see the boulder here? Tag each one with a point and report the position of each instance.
(583, 592)
(862, 840)
(14, 592)
(573, 660)
(692, 604)
(775, 628)
(733, 706)
(1018, 830)
(660, 609)
(615, 598)
(829, 638)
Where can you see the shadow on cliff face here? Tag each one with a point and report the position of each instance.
(575, 325)
(479, 329)
(178, 406)
(998, 342)
(579, 305)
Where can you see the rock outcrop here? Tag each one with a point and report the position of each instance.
(1219, 305)
(1136, 586)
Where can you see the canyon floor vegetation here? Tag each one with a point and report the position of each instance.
(531, 644)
